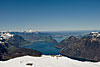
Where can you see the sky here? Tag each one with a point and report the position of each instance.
(49, 15)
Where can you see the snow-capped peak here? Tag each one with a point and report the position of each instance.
(5, 35)
(95, 34)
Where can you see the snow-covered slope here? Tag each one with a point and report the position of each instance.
(46, 61)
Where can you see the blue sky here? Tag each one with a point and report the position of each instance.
(50, 15)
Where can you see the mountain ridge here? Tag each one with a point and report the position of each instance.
(87, 47)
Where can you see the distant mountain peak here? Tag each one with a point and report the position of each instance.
(92, 35)
(72, 37)
(31, 31)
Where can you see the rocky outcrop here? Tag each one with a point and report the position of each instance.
(20, 52)
(86, 48)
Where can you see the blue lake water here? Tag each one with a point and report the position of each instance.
(45, 47)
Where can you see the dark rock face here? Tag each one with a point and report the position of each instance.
(3, 49)
(21, 52)
(17, 41)
(87, 47)
(0, 56)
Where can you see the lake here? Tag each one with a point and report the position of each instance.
(46, 48)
